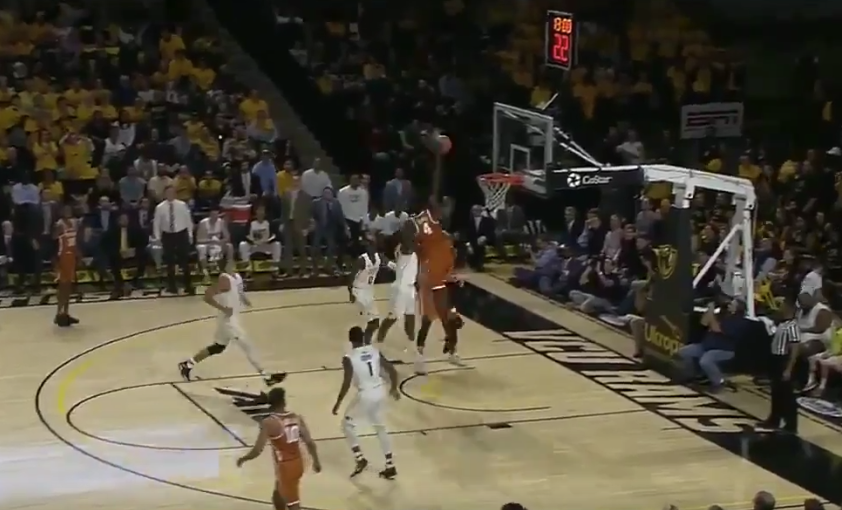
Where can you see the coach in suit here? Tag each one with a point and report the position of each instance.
(398, 193)
(329, 229)
(478, 232)
(296, 221)
(123, 241)
(173, 226)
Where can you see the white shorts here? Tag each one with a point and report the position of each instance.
(228, 329)
(365, 302)
(212, 251)
(368, 405)
(403, 301)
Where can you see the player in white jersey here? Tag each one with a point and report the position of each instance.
(228, 296)
(361, 288)
(362, 366)
(212, 241)
(403, 298)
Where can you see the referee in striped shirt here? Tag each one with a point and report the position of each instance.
(784, 347)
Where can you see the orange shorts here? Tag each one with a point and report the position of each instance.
(66, 269)
(289, 475)
(429, 303)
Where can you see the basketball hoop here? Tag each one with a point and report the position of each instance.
(495, 186)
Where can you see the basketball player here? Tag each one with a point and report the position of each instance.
(402, 303)
(284, 430)
(212, 241)
(435, 254)
(361, 287)
(260, 239)
(65, 232)
(228, 297)
(362, 365)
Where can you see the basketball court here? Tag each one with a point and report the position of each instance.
(97, 415)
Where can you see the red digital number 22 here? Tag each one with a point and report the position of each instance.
(561, 48)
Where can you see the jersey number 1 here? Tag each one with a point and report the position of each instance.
(370, 368)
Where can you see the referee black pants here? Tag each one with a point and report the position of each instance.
(784, 404)
(176, 247)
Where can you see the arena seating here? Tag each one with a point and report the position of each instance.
(104, 116)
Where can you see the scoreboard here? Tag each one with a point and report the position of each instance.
(560, 40)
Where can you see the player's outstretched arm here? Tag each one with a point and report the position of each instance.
(393, 376)
(310, 444)
(347, 376)
(257, 449)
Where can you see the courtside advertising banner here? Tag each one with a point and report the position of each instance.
(726, 119)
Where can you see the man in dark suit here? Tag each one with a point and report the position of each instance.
(478, 232)
(122, 242)
(329, 230)
(573, 227)
(296, 221)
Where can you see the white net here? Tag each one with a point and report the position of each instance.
(495, 191)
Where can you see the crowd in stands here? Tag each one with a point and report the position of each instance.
(624, 98)
(105, 118)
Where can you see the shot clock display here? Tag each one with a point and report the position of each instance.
(560, 40)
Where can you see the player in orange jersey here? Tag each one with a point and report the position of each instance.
(65, 232)
(284, 430)
(436, 261)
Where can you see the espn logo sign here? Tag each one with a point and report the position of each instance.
(726, 119)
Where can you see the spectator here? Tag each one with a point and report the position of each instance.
(185, 186)
(479, 232)
(398, 192)
(297, 219)
(353, 200)
(613, 243)
(285, 177)
(114, 148)
(718, 345)
(264, 172)
(546, 263)
(132, 187)
(602, 287)
(315, 180)
(592, 238)
(261, 129)
(329, 231)
(510, 223)
(24, 192)
(159, 183)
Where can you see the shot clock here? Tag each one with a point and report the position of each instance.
(560, 39)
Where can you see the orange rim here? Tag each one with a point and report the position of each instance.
(512, 179)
